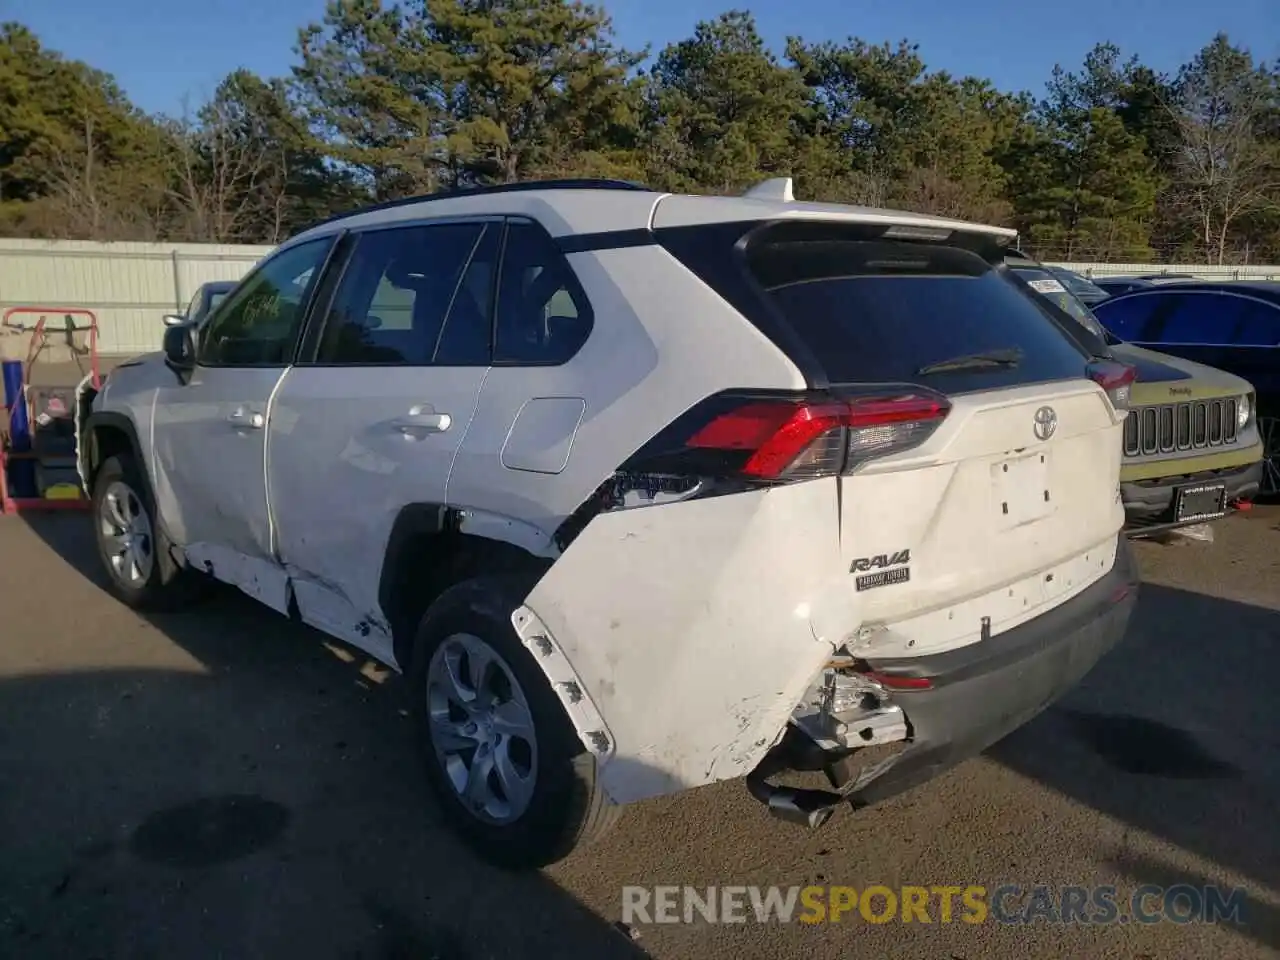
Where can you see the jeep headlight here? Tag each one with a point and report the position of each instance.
(1244, 411)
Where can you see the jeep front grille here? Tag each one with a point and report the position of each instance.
(1175, 427)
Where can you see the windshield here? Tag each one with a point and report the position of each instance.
(1080, 286)
(1047, 285)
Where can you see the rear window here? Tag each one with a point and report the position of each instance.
(875, 310)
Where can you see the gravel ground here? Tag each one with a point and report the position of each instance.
(222, 783)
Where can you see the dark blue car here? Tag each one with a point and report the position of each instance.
(1234, 326)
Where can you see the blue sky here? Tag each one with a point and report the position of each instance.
(162, 53)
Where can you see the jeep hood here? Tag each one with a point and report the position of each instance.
(1162, 378)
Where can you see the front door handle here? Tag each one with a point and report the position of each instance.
(421, 419)
(245, 419)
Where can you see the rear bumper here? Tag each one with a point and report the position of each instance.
(985, 691)
(1149, 505)
(982, 692)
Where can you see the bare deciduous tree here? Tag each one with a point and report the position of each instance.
(1224, 167)
(85, 200)
(224, 177)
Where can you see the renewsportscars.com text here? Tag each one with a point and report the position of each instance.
(971, 904)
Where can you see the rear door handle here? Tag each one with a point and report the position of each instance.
(422, 419)
(243, 418)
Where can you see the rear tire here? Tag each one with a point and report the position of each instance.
(510, 774)
(132, 545)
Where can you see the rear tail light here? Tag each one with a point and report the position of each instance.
(1116, 379)
(786, 440)
(897, 681)
(734, 441)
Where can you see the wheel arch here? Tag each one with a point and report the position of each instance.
(106, 434)
(433, 546)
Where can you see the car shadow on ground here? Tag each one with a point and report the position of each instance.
(1177, 733)
(263, 803)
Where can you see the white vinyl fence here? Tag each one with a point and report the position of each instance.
(130, 286)
(1201, 270)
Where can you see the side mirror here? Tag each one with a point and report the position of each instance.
(180, 348)
(174, 319)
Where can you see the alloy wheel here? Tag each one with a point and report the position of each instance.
(126, 535)
(481, 729)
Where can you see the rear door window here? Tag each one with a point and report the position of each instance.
(885, 311)
(407, 298)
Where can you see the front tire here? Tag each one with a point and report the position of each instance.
(131, 543)
(501, 756)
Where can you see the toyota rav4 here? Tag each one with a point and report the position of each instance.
(641, 491)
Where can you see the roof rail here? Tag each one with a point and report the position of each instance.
(578, 183)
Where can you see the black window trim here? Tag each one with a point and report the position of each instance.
(744, 293)
(306, 307)
(318, 320)
(318, 313)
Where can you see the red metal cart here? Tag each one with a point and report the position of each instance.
(47, 455)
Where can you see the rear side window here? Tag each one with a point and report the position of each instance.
(543, 317)
(1129, 318)
(874, 310)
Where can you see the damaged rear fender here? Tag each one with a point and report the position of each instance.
(680, 636)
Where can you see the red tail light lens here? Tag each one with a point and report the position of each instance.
(798, 440)
(892, 681)
(1115, 378)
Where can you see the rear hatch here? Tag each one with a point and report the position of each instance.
(981, 458)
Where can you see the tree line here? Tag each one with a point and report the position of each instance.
(1115, 161)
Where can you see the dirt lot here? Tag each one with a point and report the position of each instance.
(221, 783)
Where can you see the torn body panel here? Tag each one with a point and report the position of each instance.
(324, 604)
(85, 394)
(259, 577)
(347, 450)
(694, 658)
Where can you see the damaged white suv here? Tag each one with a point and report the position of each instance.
(641, 491)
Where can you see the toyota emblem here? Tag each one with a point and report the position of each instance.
(1046, 422)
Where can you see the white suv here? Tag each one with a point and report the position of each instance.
(641, 491)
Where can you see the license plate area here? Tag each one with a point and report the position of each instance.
(1021, 489)
(1203, 502)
